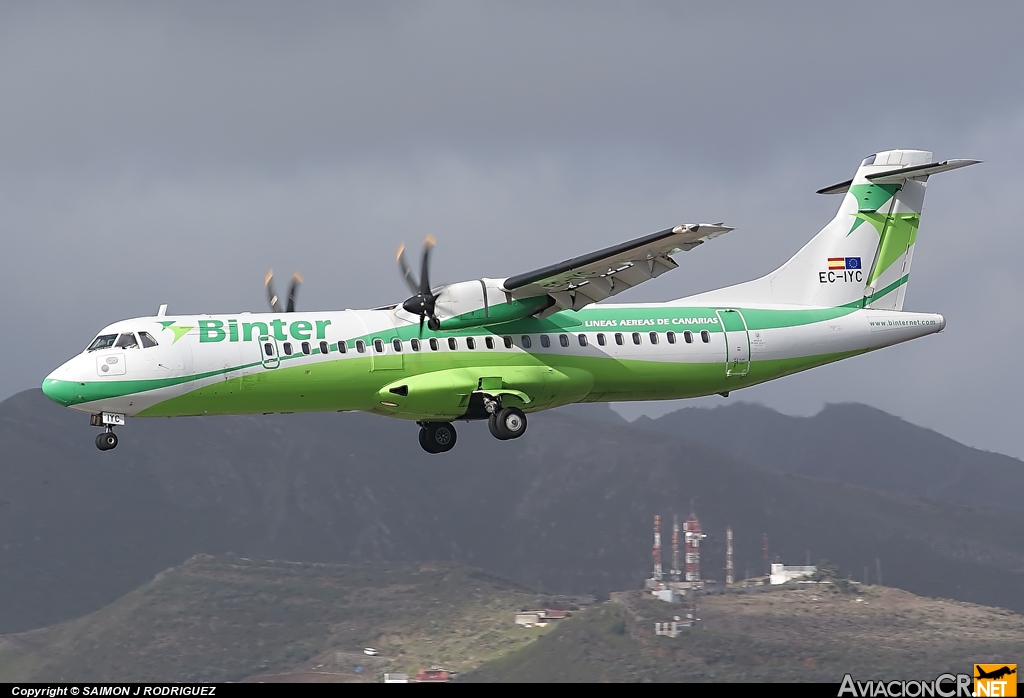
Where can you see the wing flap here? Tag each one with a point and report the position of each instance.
(580, 281)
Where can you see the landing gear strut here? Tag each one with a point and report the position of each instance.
(437, 437)
(108, 439)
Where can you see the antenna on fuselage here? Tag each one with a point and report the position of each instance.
(162, 311)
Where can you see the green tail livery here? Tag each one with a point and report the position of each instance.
(497, 349)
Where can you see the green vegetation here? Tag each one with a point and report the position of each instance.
(228, 619)
(785, 635)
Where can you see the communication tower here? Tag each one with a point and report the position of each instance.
(728, 556)
(676, 572)
(657, 548)
(692, 535)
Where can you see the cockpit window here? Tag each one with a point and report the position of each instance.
(869, 160)
(104, 341)
(147, 340)
(127, 341)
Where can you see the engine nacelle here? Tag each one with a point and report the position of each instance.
(483, 302)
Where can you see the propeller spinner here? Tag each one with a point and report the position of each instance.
(292, 290)
(422, 303)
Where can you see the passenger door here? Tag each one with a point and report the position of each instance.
(737, 342)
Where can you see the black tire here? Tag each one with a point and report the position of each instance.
(511, 422)
(433, 324)
(106, 441)
(424, 444)
(495, 428)
(438, 437)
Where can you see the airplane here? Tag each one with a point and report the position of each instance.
(994, 674)
(495, 350)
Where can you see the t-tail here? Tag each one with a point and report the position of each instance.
(862, 257)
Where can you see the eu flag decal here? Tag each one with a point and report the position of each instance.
(853, 262)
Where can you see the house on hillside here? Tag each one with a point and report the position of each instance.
(433, 675)
(540, 618)
(783, 573)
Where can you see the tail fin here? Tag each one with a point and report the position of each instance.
(862, 257)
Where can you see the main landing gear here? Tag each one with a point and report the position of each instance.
(503, 423)
(108, 420)
(507, 423)
(437, 437)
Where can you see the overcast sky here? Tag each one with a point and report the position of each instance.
(171, 153)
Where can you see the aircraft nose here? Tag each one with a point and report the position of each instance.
(58, 388)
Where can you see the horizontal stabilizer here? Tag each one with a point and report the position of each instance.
(902, 174)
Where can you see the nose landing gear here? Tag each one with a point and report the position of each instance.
(108, 420)
(107, 440)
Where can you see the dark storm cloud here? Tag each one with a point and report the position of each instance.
(170, 153)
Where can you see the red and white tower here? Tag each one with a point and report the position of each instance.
(728, 555)
(692, 535)
(657, 547)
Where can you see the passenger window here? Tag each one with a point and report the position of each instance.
(705, 336)
(378, 346)
(688, 337)
(671, 337)
(305, 348)
(287, 348)
(433, 344)
(636, 338)
(563, 339)
(324, 348)
(545, 341)
(583, 340)
(147, 340)
(104, 341)
(508, 342)
(397, 344)
(618, 338)
(127, 341)
(654, 337)
(526, 341)
(268, 349)
(453, 343)
(600, 339)
(343, 347)
(489, 341)
(470, 343)
(360, 346)
(415, 344)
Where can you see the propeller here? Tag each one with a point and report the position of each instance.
(422, 302)
(292, 290)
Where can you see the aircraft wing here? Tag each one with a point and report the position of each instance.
(589, 278)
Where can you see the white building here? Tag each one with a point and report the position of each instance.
(786, 573)
(396, 678)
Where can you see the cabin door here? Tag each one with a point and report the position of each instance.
(737, 342)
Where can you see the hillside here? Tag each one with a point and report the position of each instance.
(567, 509)
(857, 445)
(792, 635)
(234, 619)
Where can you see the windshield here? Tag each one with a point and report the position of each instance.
(102, 342)
(127, 341)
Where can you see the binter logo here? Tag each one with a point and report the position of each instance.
(234, 331)
(995, 680)
(842, 270)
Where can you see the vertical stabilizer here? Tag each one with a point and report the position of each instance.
(862, 257)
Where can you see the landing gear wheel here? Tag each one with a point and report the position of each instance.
(509, 423)
(106, 441)
(494, 427)
(433, 324)
(438, 437)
